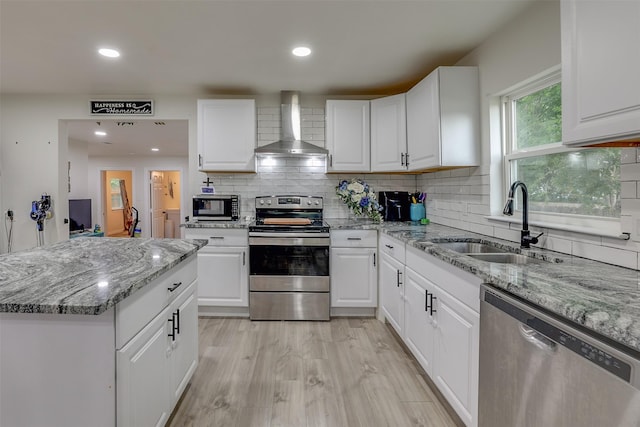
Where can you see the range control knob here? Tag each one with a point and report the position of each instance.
(262, 202)
(317, 202)
(269, 201)
(308, 202)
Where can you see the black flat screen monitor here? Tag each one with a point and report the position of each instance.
(79, 214)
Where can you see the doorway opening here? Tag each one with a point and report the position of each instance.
(117, 193)
(164, 191)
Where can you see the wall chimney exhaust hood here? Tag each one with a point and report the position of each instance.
(290, 144)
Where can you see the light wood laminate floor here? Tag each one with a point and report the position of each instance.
(346, 372)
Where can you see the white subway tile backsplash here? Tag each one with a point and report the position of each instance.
(615, 256)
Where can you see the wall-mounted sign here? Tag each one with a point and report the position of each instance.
(125, 107)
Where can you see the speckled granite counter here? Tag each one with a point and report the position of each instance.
(352, 224)
(241, 223)
(70, 276)
(600, 297)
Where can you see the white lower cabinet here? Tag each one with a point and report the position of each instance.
(391, 278)
(354, 269)
(419, 331)
(154, 367)
(223, 268)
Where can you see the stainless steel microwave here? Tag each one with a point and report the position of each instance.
(216, 207)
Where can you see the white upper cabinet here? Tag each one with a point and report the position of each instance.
(226, 135)
(600, 69)
(348, 142)
(443, 124)
(388, 134)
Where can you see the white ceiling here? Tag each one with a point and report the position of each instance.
(209, 47)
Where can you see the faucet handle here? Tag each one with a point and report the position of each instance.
(534, 239)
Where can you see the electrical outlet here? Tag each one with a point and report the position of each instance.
(10, 214)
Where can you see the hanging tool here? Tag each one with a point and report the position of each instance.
(41, 210)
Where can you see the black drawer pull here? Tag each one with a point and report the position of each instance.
(354, 238)
(389, 246)
(399, 275)
(172, 334)
(216, 237)
(174, 287)
(177, 323)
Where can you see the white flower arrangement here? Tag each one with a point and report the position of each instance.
(360, 198)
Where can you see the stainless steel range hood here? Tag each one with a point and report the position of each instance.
(290, 144)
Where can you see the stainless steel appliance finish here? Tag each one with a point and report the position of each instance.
(216, 207)
(290, 144)
(536, 370)
(289, 260)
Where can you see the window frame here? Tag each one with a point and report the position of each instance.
(510, 154)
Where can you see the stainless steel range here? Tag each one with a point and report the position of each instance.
(289, 260)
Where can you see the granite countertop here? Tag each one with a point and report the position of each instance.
(597, 296)
(241, 223)
(86, 275)
(352, 224)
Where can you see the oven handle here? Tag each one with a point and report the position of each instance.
(289, 241)
(264, 234)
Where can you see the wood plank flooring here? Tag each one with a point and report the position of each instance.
(346, 372)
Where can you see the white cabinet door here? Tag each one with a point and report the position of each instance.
(418, 329)
(456, 360)
(184, 356)
(392, 292)
(423, 123)
(226, 135)
(600, 69)
(388, 134)
(443, 120)
(348, 130)
(354, 279)
(223, 276)
(142, 381)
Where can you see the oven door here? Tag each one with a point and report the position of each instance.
(281, 264)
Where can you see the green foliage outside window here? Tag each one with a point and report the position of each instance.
(584, 182)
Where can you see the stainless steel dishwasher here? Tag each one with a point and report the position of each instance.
(536, 371)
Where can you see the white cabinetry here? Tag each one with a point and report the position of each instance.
(223, 269)
(347, 135)
(226, 135)
(121, 367)
(443, 120)
(442, 325)
(388, 134)
(354, 271)
(600, 69)
(392, 257)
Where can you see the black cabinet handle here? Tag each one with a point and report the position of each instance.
(431, 307)
(172, 334)
(174, 287)
(401, 159)
(399, 275)
(374, 259)
(406, 161)
(244, 258)
(354, 238)
(177, 323)
(389, 246)
(426, 301)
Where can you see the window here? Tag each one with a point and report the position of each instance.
(565, 185)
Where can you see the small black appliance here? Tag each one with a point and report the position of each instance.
(396, 205)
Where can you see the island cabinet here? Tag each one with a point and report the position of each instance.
(127, 366)
(388, 134)
(348, 135)
(223, 270)
(443, 120)
(600, 69)
(354, 271)
(442, 326)
(227, 135)
(391, 276)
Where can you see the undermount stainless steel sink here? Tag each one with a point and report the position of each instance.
(471, 247)
(506, 258)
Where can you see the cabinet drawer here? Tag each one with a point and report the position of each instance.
(219, 236)
(392, 247)
(133, 313)
(354, 238)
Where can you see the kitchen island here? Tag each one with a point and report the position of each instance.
(97, 331)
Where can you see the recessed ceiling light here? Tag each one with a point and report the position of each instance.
(109, 53)
(155, 149)
(301, 51)
(100, 133)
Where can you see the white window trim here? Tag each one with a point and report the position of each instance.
(602, 226)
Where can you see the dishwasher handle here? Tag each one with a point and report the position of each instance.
(537, 339)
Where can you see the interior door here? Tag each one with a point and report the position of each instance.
(157, 209)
